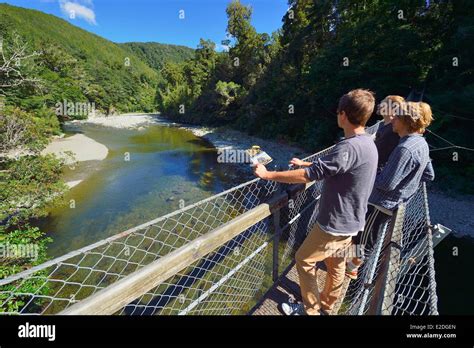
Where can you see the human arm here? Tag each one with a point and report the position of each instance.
(296, 176)
(428, 173)
(339, 160)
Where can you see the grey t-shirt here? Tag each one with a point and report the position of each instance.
(349, 173)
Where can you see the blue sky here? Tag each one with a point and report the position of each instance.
(158, 20)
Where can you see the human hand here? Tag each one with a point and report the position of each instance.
(260, 171)
(296, 162)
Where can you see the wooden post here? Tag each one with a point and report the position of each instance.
(276, 244)
(384, 287)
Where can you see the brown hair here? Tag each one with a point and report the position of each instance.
(358, 105)
(418, 116)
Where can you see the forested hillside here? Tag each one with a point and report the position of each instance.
(79, 66)
(286, 85)
(157, 54)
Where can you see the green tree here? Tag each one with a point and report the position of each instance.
(29, 183)
(248, 49)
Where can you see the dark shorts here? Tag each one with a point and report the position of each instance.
(375, 222)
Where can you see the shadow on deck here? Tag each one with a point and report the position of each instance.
(286, 287)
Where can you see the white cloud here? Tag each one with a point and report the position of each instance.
(222, 48)
(78, 9)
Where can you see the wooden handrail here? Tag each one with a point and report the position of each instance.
(116, 296)
(385, 283)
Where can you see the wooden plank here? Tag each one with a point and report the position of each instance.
(111, 299)
(276, 245)
(287, 287)
(384, 288)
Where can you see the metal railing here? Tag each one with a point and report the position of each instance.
(216, 256)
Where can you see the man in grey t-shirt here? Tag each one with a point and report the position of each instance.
(349, 172)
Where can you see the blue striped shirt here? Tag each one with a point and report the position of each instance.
(408, 164)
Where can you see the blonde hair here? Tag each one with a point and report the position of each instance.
(395, 98)
(418, 116)
(390, 108)
(426, 115)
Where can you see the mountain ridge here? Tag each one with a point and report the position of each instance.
(79, 65)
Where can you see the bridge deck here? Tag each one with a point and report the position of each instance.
(287, 287)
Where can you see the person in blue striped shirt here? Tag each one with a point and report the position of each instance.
(408, 165)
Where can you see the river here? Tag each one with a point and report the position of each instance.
(147, 173)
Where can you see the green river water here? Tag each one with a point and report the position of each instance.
(147, 173)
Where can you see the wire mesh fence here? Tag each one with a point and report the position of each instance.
(415, 291)
(56, 284)
(223, 282)
(229, 279)
(399, 277)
